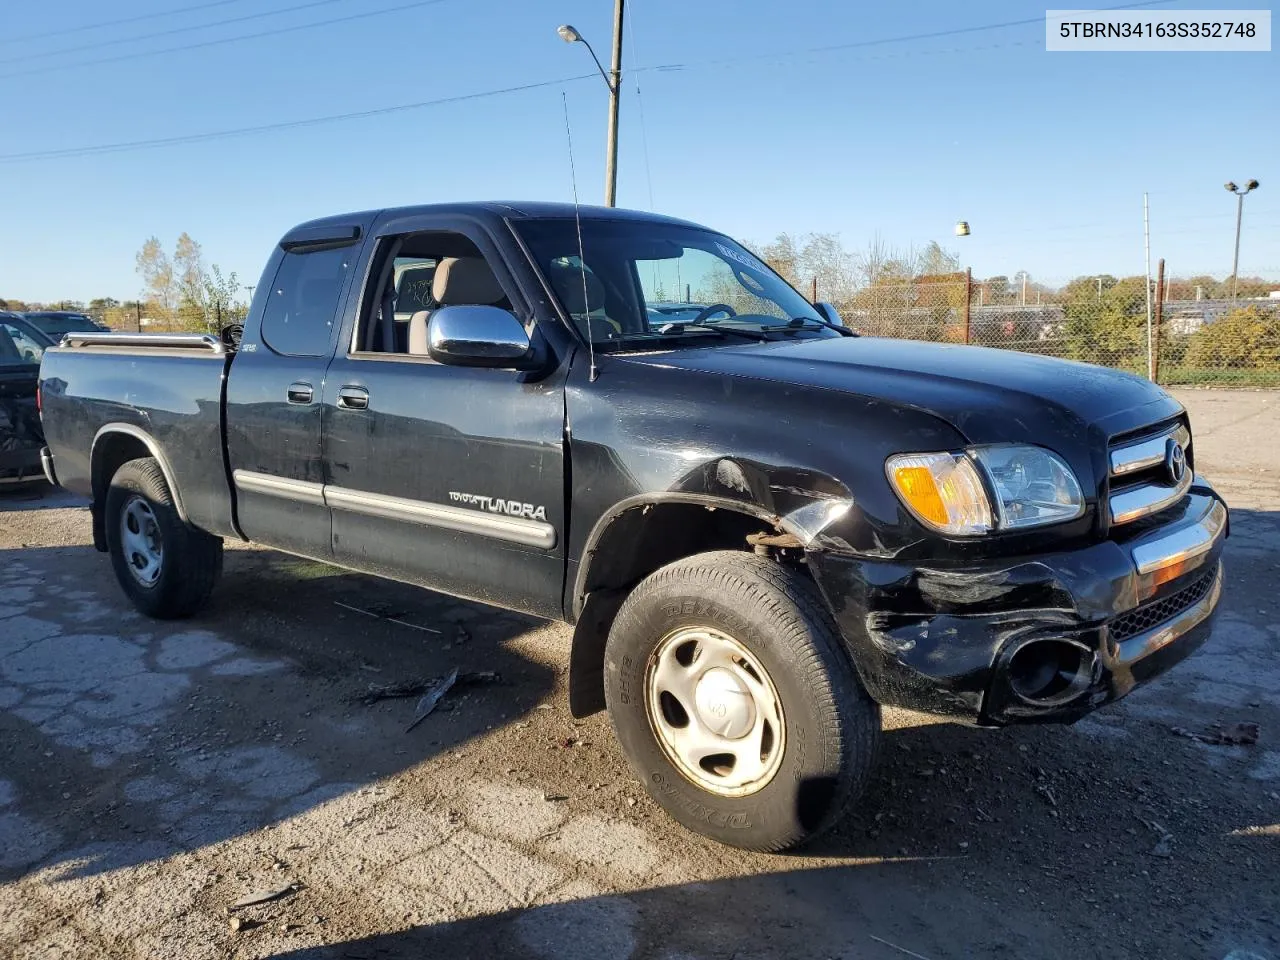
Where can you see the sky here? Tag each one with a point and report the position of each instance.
(751, 116)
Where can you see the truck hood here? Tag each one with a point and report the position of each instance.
(988, 395)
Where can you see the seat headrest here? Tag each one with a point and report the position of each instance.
(465, 280)
(567, 282)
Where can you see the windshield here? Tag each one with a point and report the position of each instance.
(637, 281)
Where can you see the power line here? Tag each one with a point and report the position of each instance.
(245, 131)
(222, 40)
(166, 33)
(286, 125)
(61, 32)
(882, 41)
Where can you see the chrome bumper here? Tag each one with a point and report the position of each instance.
(1170, 562)
(1170, 553)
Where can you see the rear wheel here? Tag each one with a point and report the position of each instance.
(735, 702)
(167, 568)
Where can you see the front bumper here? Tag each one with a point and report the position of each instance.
(963, 642)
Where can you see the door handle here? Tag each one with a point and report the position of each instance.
(300, 392)
(353, 398)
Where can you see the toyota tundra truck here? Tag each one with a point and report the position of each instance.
(761, 526)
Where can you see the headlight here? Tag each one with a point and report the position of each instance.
(1032, 485)
(945, 491)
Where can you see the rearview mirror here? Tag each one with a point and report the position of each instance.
(829, 313)
(477, 336)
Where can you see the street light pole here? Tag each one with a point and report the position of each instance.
(1235, 262)
(612, 80)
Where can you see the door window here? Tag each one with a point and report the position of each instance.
(300, 315)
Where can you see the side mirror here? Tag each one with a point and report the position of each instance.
(477, 336)
(829, 312)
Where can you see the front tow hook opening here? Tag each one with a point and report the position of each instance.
(1053, 672)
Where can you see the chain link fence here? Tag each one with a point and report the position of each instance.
(1193, 340)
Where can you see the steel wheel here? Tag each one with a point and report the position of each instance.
(140, 541)
(714, 711)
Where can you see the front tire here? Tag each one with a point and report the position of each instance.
(167, 568)
(734, 700)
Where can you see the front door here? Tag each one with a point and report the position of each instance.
(449, 477)
(274, 401)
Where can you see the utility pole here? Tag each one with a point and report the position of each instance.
(1146, 235)
(615, 96)
(1161, 292)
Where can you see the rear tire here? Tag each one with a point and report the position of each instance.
(736, 703)
(166, 567)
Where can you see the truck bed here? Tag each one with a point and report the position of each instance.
(163, 391)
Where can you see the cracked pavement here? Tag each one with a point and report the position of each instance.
(153, 773)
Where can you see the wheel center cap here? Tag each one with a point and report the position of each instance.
(724, 704)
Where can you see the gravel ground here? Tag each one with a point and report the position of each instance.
(153, 774)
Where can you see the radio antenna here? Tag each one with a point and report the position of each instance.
(582, 259)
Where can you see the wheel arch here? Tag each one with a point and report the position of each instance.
(114, 445)
(633, 539)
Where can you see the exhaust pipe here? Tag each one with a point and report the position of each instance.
(1050, 673)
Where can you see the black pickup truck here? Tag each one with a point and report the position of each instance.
(762, 526)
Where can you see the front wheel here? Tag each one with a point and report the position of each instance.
(167, 568)
(734, 700)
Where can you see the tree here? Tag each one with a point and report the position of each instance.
(1111, 330)
(784, 256)
(935, 261)
(222, 295)
(188, 268)
(1247, 338)
(158, 277)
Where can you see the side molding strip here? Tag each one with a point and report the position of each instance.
(301, 491)
(531, 533)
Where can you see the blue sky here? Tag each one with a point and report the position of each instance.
(1047, 155)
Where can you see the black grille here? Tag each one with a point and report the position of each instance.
(1155, 612)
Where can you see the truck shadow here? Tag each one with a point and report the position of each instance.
(36, 495)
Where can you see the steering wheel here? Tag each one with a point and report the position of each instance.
(706, 313)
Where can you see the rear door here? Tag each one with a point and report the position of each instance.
(275, 391)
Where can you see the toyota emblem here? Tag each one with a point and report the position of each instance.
(1175, 461)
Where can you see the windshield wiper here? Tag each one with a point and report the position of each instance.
(801, 323)
(681, 326)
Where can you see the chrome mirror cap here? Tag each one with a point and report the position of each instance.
(477, 336)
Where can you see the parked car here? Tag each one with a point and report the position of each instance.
(21, 439)
(761, 526)
(57, 323)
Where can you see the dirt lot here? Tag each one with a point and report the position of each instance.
(152, 774)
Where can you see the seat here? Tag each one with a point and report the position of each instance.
(413, 294)
(582, 298)
(457, 281)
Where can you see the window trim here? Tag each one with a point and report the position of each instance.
(477, 236)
